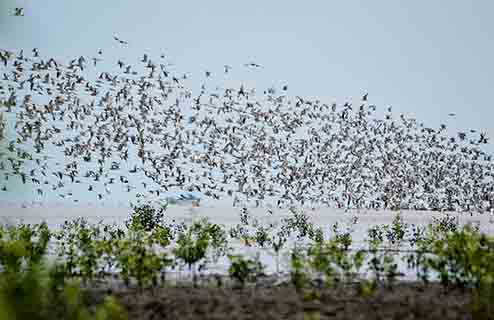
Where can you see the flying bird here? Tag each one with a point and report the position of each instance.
(483, 138)
(120, 40)
(19, 12)
(252, 64)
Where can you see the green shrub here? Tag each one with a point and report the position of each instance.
(137, 260)
(37, 294)
(395, 233)
(299, 272)
(334, 261)
(316, 235)
(261, 237)
(80, 248)
(299, 223)
(161, 235)
(218, 239)
(145, 217)
(382, 262)
(192, 244)
(243, 269)
(464, 257)
(22, 245)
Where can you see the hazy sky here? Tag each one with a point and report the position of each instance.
(425, 58)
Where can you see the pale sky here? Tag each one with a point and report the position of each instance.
(424, 58)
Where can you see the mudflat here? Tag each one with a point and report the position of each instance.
(402, 301)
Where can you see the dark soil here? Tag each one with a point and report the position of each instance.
(403, 301)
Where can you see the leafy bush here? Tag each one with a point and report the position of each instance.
(397, 231)
(80, 248)
(297, 222)
(316, 235)
(464, 257)
(382, 263)
(218, 239)
(145, 217)
(375, 237)
(299, 274)
(193, 243)
(39, 293)
(344, 239)
(161, 235)
(334, 261)
(22, 245)
(261, 237)
(136, 259)
(243, 269)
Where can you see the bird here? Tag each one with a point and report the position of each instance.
(95, 60)
(252, 64)
(483, 138)
(18, 12)
(120, 40)
(149, 134)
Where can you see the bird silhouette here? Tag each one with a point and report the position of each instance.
(120, 40)
(19, 12)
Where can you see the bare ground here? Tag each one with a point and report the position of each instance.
(403, 301)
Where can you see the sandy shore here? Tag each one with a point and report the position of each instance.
(228, 216)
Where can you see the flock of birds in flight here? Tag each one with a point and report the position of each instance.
(140, 129)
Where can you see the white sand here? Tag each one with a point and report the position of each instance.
(228, 216)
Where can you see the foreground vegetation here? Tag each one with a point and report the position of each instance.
(48, 274)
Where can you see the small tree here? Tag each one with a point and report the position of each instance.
(298, 273)
(145, 217)
(244, 270)
(137, 260)
(192, 245)
(23, 245)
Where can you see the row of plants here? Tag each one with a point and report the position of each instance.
(148, 247)
(141, 252)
